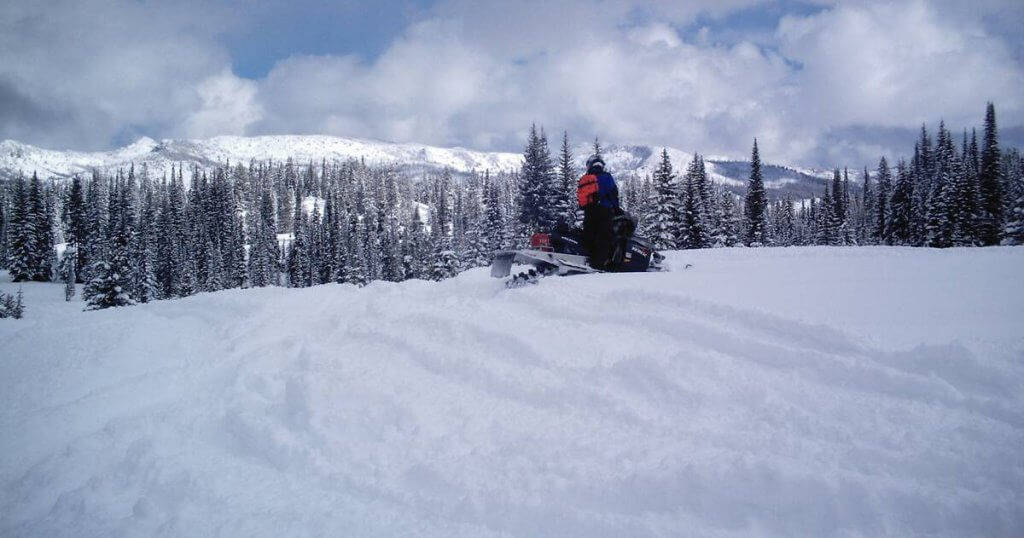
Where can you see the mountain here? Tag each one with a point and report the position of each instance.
(159, 157)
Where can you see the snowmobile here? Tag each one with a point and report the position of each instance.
(561, 252)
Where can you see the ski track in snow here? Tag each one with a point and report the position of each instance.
(688, 403)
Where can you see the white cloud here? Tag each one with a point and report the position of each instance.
(897, 65)
(104, 69)
(228, 107)
(657, 34)
(478, 73)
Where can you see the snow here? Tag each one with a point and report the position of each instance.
(160, 157)
(763, 392)
(311, 203)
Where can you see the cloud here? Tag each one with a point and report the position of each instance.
(447, 82)
(106, 67)
(228, 107)
(896, 65)
(477, 73)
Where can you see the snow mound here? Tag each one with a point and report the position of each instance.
(764, 392)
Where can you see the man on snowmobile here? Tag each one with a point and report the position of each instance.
(598, 197)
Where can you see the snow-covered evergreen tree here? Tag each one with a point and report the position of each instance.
(990, 190)
(107, 288)
(538, 196)
(12, 306)
(69, 271)
(899, 211)
(963, 198)
(756, 202)
(866, 216)
(940, 208)
(882, 229)
(75, 218)
(446, 263)
(298, 251)
(145, 287)
(664, 228)
(38, 227)
(21, 232)
(826, 220)
(1013, 229)
(567, 181)
(694, 230)
(495, 229)
(726, 221)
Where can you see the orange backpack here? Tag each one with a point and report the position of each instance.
(587, 191)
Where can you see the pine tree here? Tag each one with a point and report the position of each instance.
(41, 241)
(726, 221)
(868, 216)
(108, 288)
(357, 273)
(693, 226)
(990, 216)
(788, 233)
(181, 272)
(97, 218)
(963, 202)
(844, 232)
(826, 220)
(475, 253)
(538, 198)
(4, 222)
(76, 221)
(446, 264)
(21, 232)
(923, 170)
(145, 287)
(264, 266)
(122, 238)
(298, 251)
(567, 178)
(704, 190)
(239, 270)
(665, 220)
(69, 272)
(883, 231)
(755, 203)
(939, 226)
(1013, 230)
(494, 220)
(898, 224)
(11, 306)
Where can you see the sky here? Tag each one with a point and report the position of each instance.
(818, 83)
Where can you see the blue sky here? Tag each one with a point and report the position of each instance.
(274, 31)
(819, 83)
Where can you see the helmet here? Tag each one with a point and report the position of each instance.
(595, 160)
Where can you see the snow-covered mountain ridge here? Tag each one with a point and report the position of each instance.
(159, 156)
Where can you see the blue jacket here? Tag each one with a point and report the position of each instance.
(606, 192)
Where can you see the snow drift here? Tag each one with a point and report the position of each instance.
(769, 392)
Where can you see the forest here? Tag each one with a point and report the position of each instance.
(133, 238)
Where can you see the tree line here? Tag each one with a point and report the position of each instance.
(130, 237)
(949, 194)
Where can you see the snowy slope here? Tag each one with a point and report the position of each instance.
(764, 392)
(159, 157)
